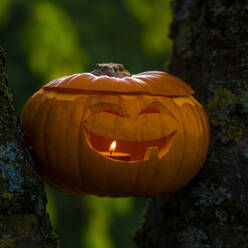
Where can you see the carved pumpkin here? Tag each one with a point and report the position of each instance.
(72, 121)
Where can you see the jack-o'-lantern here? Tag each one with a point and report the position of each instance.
(112, 134)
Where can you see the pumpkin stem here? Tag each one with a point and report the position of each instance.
(111, 70)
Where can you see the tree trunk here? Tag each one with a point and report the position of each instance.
(24, 222)
(211, 53)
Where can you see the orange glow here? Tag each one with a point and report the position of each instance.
(112, 146)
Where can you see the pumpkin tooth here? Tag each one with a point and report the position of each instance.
(151, 153)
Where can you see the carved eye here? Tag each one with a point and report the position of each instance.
(149, 110)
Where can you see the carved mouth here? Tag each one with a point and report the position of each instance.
(138, 150)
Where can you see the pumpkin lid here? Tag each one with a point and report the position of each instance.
(146, 83)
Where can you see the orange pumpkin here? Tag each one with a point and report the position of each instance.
(72, 121)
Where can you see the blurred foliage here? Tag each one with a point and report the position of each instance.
(45, 39)
(4, 11)
(155, 15)
(70, 212)
(51, 207)
(54, 47)
(93, 221)
(100, 212)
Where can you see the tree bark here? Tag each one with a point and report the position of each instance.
(211, 53)
(24, 222)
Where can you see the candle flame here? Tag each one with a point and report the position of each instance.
(112, 146)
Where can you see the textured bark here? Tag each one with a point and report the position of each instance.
(23, 219)
(210, 53)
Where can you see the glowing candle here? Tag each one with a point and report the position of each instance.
(116, 155)
(112, 147)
